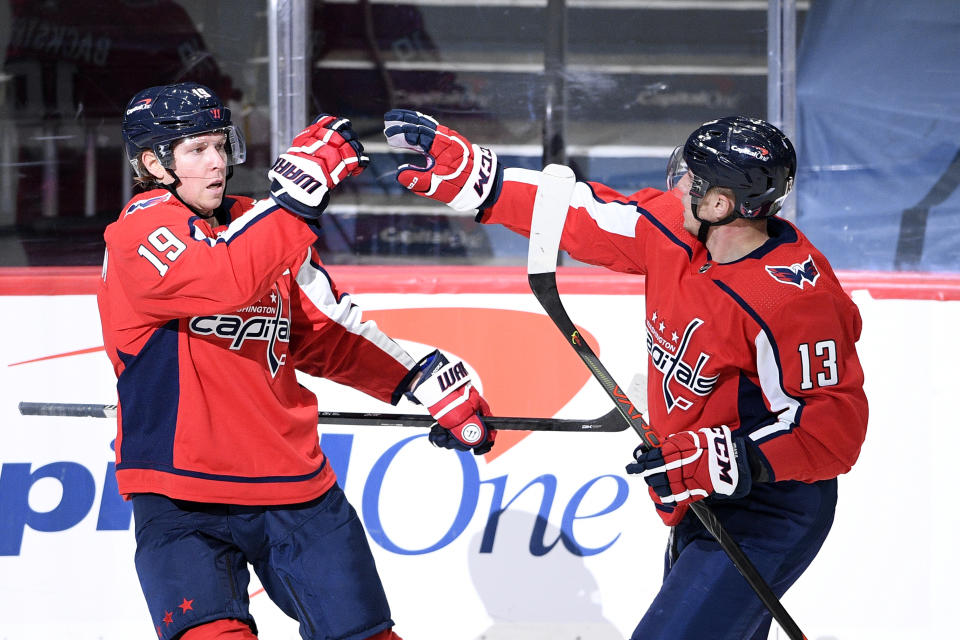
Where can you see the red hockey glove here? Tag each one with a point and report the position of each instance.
(457, 173)
(670, 514)
(692, 465)
(448, 393)
(320, 157)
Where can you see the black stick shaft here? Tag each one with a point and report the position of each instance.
(608, 423)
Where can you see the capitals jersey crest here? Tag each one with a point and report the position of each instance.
(264, 321)
(796, 274)
(667, 356)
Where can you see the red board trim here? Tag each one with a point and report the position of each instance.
(40, 281)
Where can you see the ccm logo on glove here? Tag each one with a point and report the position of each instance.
(721, 461)
(486, 165)
(692, 465)
(456, 172)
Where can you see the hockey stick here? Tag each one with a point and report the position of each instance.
(607, 423)
(549, 213)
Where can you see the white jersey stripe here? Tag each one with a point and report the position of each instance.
(316, 284)
(780, 402)
(613, 217)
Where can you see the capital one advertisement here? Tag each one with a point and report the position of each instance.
(544, 537)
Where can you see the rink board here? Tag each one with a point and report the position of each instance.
(547, 539)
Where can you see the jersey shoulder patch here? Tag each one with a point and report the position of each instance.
(797, 274)
(146, 201)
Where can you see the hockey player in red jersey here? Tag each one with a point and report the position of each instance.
(754, 385)
(209, 304)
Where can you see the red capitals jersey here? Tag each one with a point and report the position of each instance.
(764, 344)
(205, 328)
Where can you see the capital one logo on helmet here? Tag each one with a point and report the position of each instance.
(140, 105)
(755, 152)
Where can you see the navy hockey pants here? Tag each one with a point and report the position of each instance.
(780, 526)
(312, 559)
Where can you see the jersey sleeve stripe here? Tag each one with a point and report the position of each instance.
(316, 284)
(770, 373)
(615, 217)
(669, 234)
(609, 216)
(768, 369)
(612, 216)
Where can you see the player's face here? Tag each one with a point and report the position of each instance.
(201, 164)
(690, 224)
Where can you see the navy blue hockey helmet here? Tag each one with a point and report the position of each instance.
(751, 157)
(157, 117)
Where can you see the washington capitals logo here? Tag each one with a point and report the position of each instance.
(796, 274)
(239, 329)
(667, 355)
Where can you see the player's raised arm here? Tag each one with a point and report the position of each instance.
(603, 227)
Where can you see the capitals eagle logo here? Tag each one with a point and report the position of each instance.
(796, 274)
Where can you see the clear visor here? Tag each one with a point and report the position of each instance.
(235, 149)
(676, 168)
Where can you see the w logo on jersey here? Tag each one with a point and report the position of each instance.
(796, 274)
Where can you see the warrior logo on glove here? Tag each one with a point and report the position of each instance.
(471, 432)
(321, 156)
(448, 393)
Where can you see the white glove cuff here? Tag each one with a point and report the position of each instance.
(442, 383)
(722, 457)
(479, 183)
(301, 179)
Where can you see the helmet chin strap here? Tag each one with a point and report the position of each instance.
(706, 225)
(172, 188)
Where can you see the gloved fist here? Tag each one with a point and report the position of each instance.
(448, 393)
(671, 514)
(692, 465)
(457, 173)
(320, 157)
